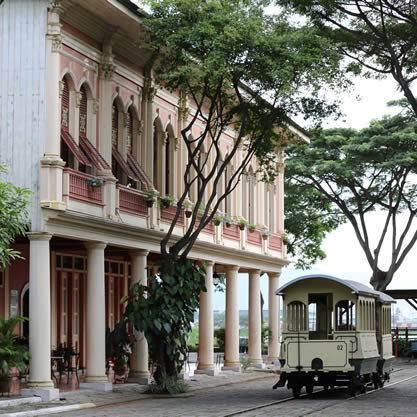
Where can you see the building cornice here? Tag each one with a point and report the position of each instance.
(84, 227)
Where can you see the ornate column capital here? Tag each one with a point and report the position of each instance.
(150, 89)
(232, 268)
(95, 245)
(61, 87)
(106, 71)
(56, 41)
(39, 236)
(138, 252)
(274, 274)
(96, 106)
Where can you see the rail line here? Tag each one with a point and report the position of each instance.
(288, 399)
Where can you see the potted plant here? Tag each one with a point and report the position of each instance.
(12, 354)
(228, 221)
(265, 234)
(242, 223)
(188, 207)
(96, 182)
(251, 227)
(150, 197)
(218, 218)
(121, 349)
(167, 201)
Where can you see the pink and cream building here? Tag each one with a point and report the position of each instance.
(76, 102)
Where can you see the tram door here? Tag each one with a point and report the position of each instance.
(320, 308)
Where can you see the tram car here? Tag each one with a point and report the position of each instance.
(335, 333)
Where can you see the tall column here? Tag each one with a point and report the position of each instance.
(51, 163)
(206, 327)
(231, 360)
(96, 319)
(255, 325)
(273, 317)
(40, 383)
(139, 360)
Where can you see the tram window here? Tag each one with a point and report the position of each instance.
(345, 315)
(296, 316)
(312, 317)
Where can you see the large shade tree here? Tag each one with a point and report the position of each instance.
(238, 70)
(378, 37)
(361, 172)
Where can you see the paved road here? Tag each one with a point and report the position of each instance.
(398, 400)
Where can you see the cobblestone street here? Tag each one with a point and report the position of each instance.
(397, 399)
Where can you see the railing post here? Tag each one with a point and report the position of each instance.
(406, 334)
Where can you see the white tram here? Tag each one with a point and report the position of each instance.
(335, 333)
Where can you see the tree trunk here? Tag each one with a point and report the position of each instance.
(380, 279)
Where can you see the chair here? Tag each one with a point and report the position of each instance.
(69, 366)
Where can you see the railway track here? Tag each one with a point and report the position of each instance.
(316, 393)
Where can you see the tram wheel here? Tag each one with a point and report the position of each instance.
(296, 390)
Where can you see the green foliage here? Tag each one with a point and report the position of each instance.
(14, 204)
(167, 201)
(11, 354)
(359, 172)
(164, 311)
(404, 347)
(378, 37)
(119, 343)
(220, 335)
(245, 361)
(169, 386)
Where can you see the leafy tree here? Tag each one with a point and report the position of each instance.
(379, 37)
(363, 171)
(14, 204)
(309, 217)
(235, 69)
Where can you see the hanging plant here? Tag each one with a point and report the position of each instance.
(251, 228)
(242, 223)
(188, 207)
(265, 234)
(96, 182)
(150, 197)
(167, 201)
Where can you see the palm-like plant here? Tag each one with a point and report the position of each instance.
(11, 354)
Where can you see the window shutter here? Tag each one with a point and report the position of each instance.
(115, 125)
(83, 113)
(65, 106)
(129, 131)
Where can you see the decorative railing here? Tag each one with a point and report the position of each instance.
(132, 201)
(275, 242)
(168, 215)
(231, 232)
(254, 238)
(209, 228)
(79, 189)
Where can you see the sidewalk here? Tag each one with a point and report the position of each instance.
(85, 398)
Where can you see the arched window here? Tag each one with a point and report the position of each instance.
(83, 113)
(345, 315)
(269, 206)
(157, 146)
(296, 317)
(168, 146)
(251, 197)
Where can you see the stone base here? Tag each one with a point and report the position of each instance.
(46, 394)
(184, 376)
(144, 380)
(234, 368)
(258, 365)
(97, 386)
(209, 372)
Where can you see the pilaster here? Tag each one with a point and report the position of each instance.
(273, 317)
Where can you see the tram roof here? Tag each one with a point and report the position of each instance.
(357, 287)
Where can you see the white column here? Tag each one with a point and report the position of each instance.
(255, 325)
(40, 318)
(231, 361)
(273, 317)
(96, 319)
(139, 359)
(206, 326)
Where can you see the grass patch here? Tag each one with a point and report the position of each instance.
(169, 386)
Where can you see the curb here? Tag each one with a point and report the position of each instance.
(19, 401)
(51, 410)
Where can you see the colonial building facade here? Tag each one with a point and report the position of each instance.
(78, 106)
